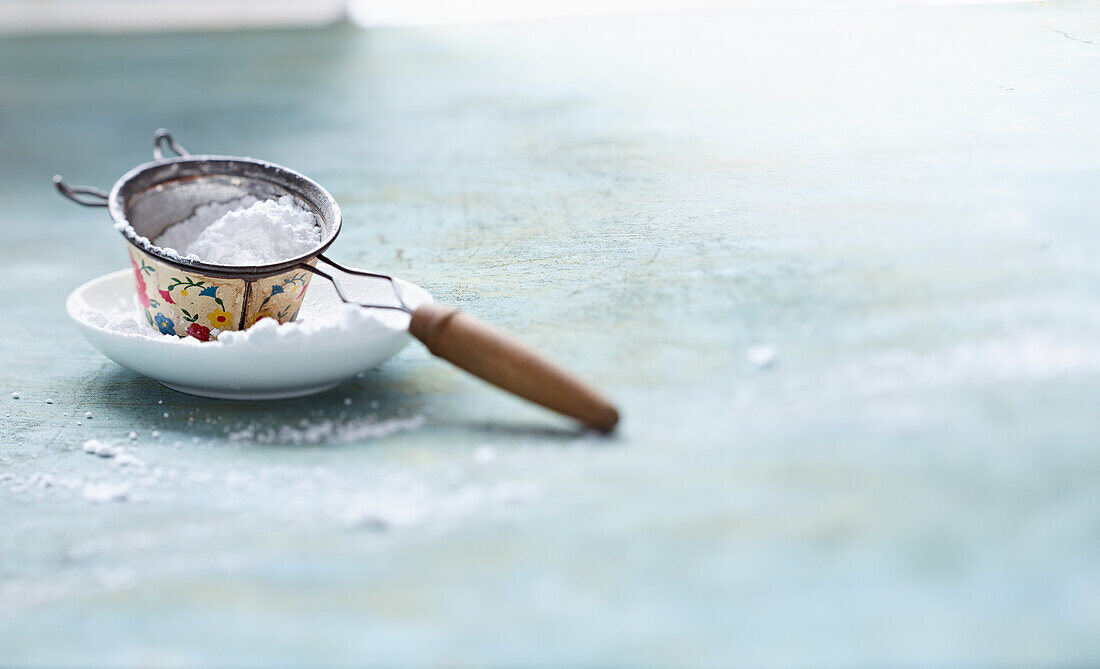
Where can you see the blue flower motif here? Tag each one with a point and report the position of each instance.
(275, 290)
(209, 291)
(165, 325)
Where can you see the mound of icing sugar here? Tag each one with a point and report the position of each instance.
(244, 231)
(319, 324)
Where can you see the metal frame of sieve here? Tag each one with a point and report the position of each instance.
(187, 169)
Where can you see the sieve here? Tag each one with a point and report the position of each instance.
(191, 298)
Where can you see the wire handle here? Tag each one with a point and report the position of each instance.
(163, 138)
(401, 304)
(94, 197)
(489, 354)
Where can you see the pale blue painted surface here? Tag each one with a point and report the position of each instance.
(903, 203)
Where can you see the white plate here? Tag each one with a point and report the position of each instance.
(278, 367)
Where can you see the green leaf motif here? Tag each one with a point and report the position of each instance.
(186, 282)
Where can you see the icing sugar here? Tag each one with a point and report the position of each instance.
(244, 231)
(319, 324)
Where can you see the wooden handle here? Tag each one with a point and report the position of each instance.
(491, 355)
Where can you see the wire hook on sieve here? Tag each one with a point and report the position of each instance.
(163, 138)
(89, 196)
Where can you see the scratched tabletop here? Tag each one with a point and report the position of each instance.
(840, 270)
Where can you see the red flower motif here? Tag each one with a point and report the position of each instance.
(200, 332)
(167, 296)
(140, 280)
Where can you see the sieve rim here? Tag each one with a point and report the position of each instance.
(312, 193)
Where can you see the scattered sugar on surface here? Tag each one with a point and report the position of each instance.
(1026, 356)
(326, 431)
(245, 231)
(15, 396)
(40, 480)
(129, 460)
(404, 506)
(117, 453)
(485, 454)
(106, 492)
(761, 356)
(100, 448)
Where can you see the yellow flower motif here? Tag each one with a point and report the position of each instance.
(183, 292)
(219, 319)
